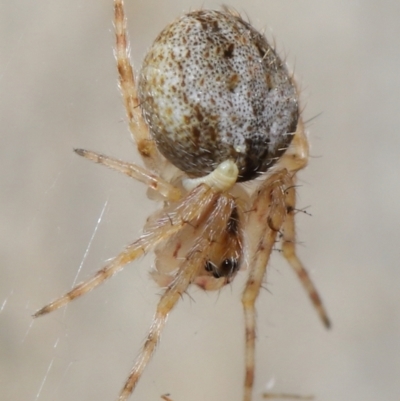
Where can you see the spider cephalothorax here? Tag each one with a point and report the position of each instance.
(219, 108)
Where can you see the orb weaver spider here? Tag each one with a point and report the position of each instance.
(213, 107)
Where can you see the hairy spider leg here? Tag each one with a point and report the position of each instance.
(289, 252)
(188, 270)
(266, 217)
(190, 209)
(153, 181)
(138, 127)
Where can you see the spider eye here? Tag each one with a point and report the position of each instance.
(210, 267)
(212, 89)
(216, 274)
(229, 266)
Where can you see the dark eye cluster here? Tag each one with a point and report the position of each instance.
(226, 269)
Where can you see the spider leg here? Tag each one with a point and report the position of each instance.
(139, 130)
(295, 157)
(195, 259)
(168, 191)
(159, 230)
(289, 252)
(266, 217)
(166, 397)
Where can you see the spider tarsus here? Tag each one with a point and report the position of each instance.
(80, 152)
(41, 312)
(327, 322)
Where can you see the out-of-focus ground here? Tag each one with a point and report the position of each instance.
(58, 90)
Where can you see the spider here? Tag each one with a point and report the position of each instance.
(215, 117)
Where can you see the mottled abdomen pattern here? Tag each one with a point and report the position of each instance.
(211, 89)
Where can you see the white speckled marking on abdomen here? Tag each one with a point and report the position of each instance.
(211, 89)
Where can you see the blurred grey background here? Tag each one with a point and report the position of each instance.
(63, 217)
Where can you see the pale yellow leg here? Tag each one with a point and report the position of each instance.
(289, 252)
(139, 130)
(187, 272)
(266, 214)
(191, 209)
(168, 191)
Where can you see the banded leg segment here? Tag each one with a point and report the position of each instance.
(289, 252)
(138, 128)
(164, 188)
(191, 210)
(195, 259)
(267, 214)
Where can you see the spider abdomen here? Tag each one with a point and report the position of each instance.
(212, 89)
